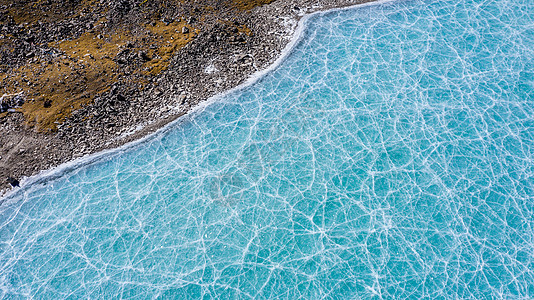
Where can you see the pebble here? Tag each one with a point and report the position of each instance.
(14, 182)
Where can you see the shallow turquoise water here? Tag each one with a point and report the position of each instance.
(389, 156)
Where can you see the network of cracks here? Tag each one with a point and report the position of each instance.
(389, 155)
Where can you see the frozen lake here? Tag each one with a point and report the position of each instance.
(390, 155)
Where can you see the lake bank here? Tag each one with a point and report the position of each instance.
(143, 85)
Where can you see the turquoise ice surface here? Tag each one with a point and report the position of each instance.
(389, 156)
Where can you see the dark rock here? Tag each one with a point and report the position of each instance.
(185, 30)
(123, 52)
(167, 21)
(47, 103)
(14, 182)
(143, 56)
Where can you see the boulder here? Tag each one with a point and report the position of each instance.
(13, 182)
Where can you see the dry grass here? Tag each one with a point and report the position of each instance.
(64, 84)
(60, 86)
(250, 4)
(47, 11)
(168, 39)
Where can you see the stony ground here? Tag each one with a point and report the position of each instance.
(80, 76)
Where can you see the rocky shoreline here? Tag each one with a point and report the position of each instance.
(141, 83)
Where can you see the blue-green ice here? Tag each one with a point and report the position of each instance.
(390, 155)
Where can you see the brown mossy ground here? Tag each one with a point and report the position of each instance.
(87, 65)
(57, 87)
(28, 12)
(168, 39)
(250, 4)
(61, 85)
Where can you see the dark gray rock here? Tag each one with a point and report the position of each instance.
(13, 182)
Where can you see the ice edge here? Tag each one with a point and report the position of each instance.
(27, 184)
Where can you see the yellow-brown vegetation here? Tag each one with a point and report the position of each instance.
(168, 39)
(57, 86)
(37, 10)
(66, 83)
(250, 4)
